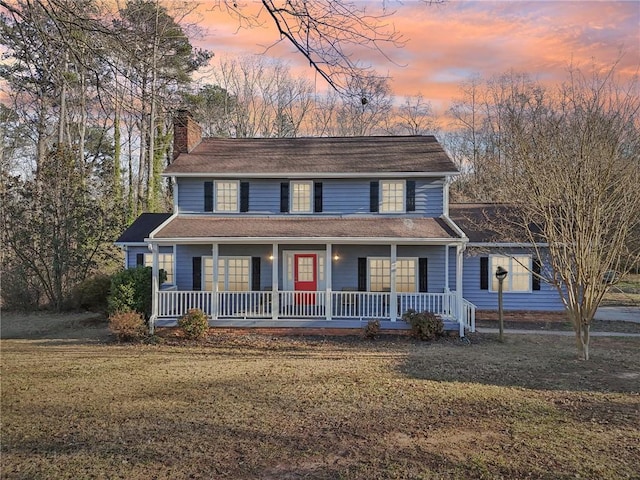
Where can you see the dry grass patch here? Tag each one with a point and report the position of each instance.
(256, 406)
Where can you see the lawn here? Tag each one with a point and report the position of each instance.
(256, 406)
(626, 292)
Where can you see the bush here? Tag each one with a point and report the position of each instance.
(372, 329)
(20, 289)
(93, 293)
(128, 325)
(424, 325)
(131, 291)
(194, 323)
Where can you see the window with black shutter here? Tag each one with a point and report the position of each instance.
(197, 273)
(411, 196)
(423, 274)
(208, 196)
(362, 274)
(317, 197)
(374, 196)
(484, 273)
(140, 259)
(536, 268)
(284, 197)
(255, 274)
(244, 196)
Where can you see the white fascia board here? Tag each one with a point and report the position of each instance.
(204, 175)
(304, 240)
(455, 227)
(161, 226)
(506, 244)
(130, 244)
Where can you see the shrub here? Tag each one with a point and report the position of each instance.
(194, 323)
(372, 329)
(424, 325)
(20, 290)
(128, 325)
(93, 293)
(131, 291)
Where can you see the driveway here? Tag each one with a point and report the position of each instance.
(620, 314)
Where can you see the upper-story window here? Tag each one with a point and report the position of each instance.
(226, 196)
(392, 196)
(301, 197)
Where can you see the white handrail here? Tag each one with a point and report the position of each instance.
(301, 304)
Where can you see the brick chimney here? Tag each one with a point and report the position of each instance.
(187, 134)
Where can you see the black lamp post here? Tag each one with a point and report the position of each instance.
(501, 274)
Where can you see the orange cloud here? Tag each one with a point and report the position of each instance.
(445, 44)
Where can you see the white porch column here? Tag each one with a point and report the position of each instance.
(447, 289)
(328, 264)
(459, 265)
(155, 287)
(393, 301)
(275, 300)
(214, 288)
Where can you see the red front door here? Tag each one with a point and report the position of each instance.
(305, 277)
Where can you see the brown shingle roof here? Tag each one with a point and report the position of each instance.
(489, 222)
(195, 227)
(318, 155)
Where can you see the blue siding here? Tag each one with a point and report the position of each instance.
(131, 255)
(185, 254)
(191, 194)
(345, 269)
(340, 196)
(545, 299)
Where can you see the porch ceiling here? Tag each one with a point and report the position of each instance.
(291, 228)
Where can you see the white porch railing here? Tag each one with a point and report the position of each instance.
(468, 316)
(298, 304)
(363, 305)
(175, 303)
(244, 304)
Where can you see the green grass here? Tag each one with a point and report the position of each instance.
(253, 406)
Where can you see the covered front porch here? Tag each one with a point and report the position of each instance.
(311, 284)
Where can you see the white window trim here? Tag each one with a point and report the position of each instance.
(492, 273)
(215, 196)
(311, 196)
(404, 197)
(416, 279)
(225, 279)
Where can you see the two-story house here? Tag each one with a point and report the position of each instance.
(328, 232)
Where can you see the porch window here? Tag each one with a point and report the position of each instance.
(392, 196)
(165, 262)
(301, 197)
(380, 274)
(234, 274)
(226, 196)
(519, 268)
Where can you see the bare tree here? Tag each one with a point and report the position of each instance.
(326, 32)
(414, 116)
(576, 155)
(366, 106)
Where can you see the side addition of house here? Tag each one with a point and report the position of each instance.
(317, 232)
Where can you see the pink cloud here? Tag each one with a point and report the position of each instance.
(446, 44)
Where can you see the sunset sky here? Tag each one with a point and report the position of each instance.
(446, 44)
